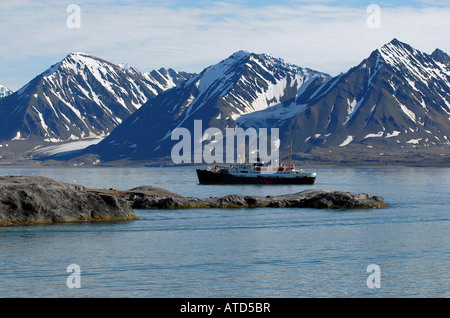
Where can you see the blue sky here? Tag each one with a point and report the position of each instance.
(326, 35)
(346, 3)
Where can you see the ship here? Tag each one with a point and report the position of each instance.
(256, 173)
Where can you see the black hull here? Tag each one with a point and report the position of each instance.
(210, 177)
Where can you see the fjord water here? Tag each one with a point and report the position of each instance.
(265, 252)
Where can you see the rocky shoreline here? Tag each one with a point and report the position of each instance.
(315, 198)
(34, 200)
(147, 197)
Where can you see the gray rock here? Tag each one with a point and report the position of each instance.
(31, 200)
(316, 198)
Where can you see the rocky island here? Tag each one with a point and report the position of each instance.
(155, 198)
(34, 200)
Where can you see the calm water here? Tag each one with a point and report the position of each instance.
(241, 252)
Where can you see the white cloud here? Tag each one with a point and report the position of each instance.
(327, 38)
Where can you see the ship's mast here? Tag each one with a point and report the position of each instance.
(290, 154)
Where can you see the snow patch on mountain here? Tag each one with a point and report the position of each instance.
(348, 140)
(395, 133)
(377, 135)
(352, 108)
(66, 147)
(408, 112)
(4, 91)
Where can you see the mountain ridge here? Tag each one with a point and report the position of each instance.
(79, 97)
(395, 103)
(396, 99)
(78, 100)
(240, 84)
(375, 104)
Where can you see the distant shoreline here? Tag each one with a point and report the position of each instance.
(212, 165)
(169, 165)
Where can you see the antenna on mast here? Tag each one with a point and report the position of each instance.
(290, 154)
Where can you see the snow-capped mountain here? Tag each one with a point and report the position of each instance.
(244, 83)
(398, 97)
(441, 57)
(80, 97)
(395, 100)
(4, 91)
